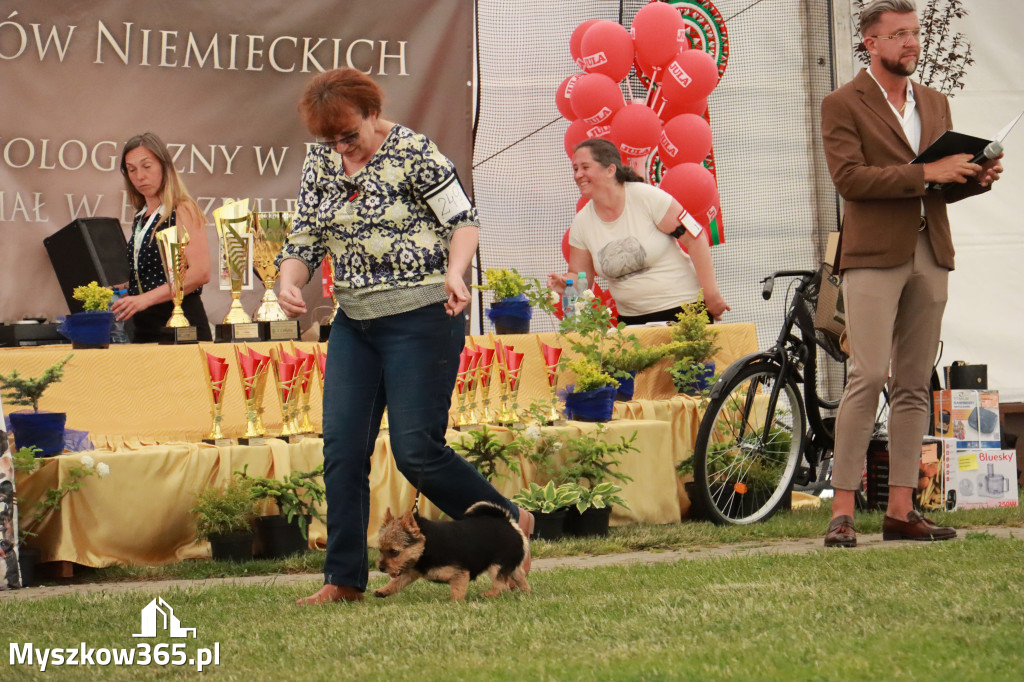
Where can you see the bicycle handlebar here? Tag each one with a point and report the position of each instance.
(769, 281)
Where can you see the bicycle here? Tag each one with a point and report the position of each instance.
(753, 442)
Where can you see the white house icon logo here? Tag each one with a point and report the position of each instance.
(159, 610)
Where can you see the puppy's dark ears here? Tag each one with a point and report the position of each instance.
(388, 518)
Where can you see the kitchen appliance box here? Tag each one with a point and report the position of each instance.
(970, 417)
(978, 477)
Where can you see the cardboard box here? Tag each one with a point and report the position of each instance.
(969, 417)
(976, 478)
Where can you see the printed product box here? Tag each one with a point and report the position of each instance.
(978, 478)
(969, 417)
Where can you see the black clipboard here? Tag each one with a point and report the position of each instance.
(952, 142)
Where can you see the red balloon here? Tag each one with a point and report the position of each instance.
(635, 130)
(595, 98)
(691, 76)
(580, 203)
(565, 241)
(673, 109)
(576, 38)
(578, 131)
(693, 186)
(685, 139)
(659, 32)
(607, 48)
(562, 97)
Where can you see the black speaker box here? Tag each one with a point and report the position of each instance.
(87, 250)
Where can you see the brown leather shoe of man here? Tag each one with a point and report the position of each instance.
(331, 593)
(916, 527)
(841, 532)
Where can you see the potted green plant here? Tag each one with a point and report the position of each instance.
(296, 498)
(510, 310)
(625, 363)
(549, 505)
(224, 516)
(41, 430)
(693, 367)
(593, 461)
(90, 328)
(594, 508)
(489, 454)
(31, 517)
(592, 397)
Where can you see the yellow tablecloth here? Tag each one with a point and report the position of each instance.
(148, 394)
(139, 514)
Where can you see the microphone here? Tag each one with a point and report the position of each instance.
(991, 151)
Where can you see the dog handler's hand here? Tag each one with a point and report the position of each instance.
(458, 294)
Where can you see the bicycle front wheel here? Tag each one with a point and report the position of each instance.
(748, 446)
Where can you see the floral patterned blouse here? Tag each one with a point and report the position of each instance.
(389, 251)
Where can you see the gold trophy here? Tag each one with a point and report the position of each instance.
(463, 381)
(304, 365)
(483, 375)
(216, 369)
(513, 370)
(270, 229)
(286, 380)
(233, 231)
(252, 372)
(550, 356)
(172, 253)
(327, 275)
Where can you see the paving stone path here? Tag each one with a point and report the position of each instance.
(865, 542)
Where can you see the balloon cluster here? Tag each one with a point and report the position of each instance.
(670, 124)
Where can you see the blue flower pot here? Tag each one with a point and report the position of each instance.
(590, 406)
(702, 382)
(626, 386)
(511, 315)
(90, 329)
(44, 430)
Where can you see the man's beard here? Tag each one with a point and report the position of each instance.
(899, 68)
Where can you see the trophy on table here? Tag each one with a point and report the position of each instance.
(287, 380)
(305, 365)
(464, 387)
(483, 380)
(252, 372)
(216, 370)
(236, 238)
(270, 229)
(172, 253)
(550, 356)
(327, 281)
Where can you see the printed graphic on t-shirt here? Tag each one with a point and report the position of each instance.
(623, 258)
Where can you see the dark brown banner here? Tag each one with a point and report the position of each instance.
(219, 82)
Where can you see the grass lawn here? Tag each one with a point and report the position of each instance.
(937, 611)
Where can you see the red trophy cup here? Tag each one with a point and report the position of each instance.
(306, 362)
(550, 356)
(513, 368)
(287, 379)
(216, 370)
(252, 372)
(483, 374)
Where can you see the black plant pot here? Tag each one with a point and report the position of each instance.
(28, 559)
(237, 546)
(550, 525)
(276, 538)
(592, 522)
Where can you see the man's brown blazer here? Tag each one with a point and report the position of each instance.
(869, 159)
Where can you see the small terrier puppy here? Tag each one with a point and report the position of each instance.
(486, 539)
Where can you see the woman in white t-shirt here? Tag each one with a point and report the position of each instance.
(627, 234)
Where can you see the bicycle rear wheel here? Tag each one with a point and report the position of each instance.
(748, 445)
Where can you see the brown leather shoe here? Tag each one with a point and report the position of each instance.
(841, 532)
(332, 593)
(916, 527)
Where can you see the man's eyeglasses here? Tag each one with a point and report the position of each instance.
(903, 37)
(346, 139)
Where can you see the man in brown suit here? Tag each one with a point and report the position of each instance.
(895, 253)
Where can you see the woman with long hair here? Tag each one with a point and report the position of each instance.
(627, 233)
(161, 200)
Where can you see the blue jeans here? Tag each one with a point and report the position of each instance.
(407, 362)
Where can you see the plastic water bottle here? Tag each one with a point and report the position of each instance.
(569, 296)
(118, 334)
(581, 282)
